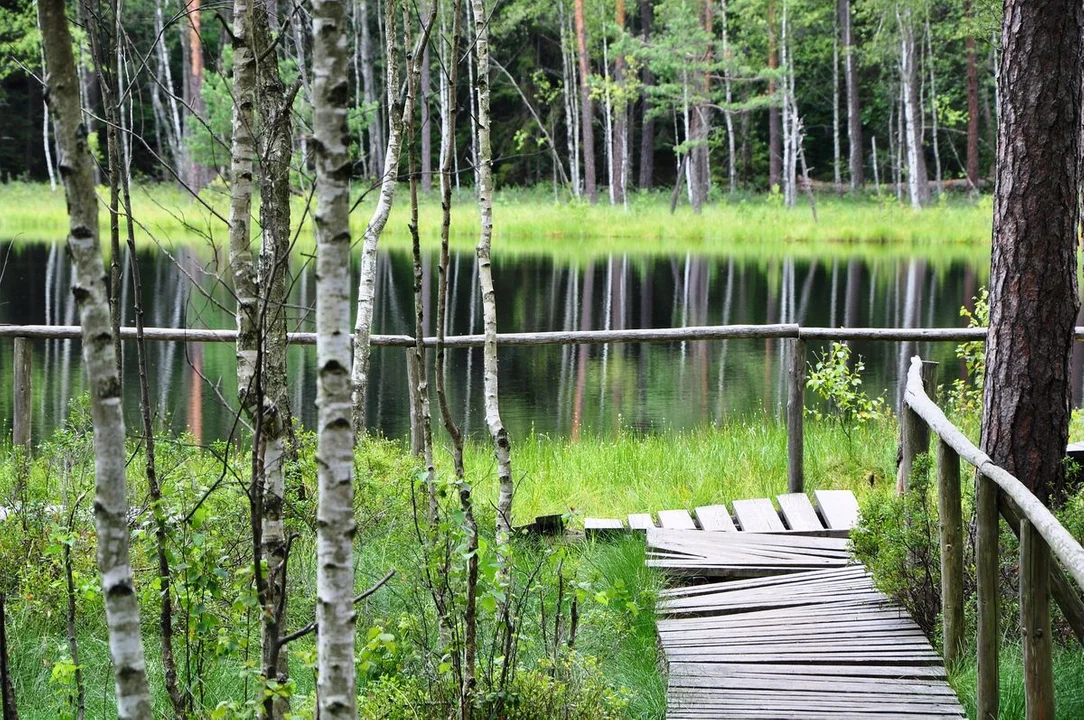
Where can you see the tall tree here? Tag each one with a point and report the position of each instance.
(972, 100)
(586, 106)
(850, 81)
(1034, 296)
(619, 141)
(647, 129)
(917, 178)
(99, 360)
(775, 135)
(336, 674)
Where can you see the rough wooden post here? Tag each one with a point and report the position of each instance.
(952, 551)
(23, 391)
(986, 571)
(417, 438)
(914, 435)
(796, 418)
(1035, 623)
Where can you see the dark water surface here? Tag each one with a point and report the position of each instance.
(555, 390)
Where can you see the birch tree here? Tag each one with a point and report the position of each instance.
(336, 675)
(397, 112)
(99, 359)
(501, 445)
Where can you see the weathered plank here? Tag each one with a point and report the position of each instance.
(798, 512)
(640, 521)
(757, 515)
(715, 518)
(594, 527)
(676, 520)
(838, 507)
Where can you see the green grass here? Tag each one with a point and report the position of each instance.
(1068, 683)
(529, 222)
(747, 458)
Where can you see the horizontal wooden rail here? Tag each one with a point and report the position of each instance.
(1041, 534)
(573, 337)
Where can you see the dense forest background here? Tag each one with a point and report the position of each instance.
(734, 95)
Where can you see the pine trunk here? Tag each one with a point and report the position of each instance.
(99, 360)
(1033, 286)
(586, 110)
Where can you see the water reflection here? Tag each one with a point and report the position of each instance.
(560, 390)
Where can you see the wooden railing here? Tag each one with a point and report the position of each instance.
(1040, 536)
(790, 332)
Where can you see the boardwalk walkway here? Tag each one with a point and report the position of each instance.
(772, 619)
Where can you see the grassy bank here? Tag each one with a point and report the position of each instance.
(530, 222)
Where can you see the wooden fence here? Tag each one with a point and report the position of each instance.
(790, 332)
(1040, 535)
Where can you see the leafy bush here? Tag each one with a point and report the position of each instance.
(965, 396)
(835, 381)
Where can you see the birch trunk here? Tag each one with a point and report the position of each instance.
(501, 444)
(275, 150)
(933, 111)
(621, 114)
(568, 93)
(854, 112)
(447, 151)
(363, 325)
(836, 178)
(336, 675)
(88, 271)
(728, 114)
(426, 124)
(376, 128)
(917, 184)
(608, 127)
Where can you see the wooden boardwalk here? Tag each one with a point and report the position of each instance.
(786, 626)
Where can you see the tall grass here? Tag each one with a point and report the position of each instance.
(530, 223)
(1068, 683)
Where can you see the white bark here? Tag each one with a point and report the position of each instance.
(99, 360)
(363, 325)
(501, 444)
(568, 91)
(335, 617)
(731, 158)
(835, 107)
(910, 109)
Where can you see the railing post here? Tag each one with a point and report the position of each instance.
(413, 376)
(796, 418)
(986, 571)
(952, 551)
(914, 435)
(1035, 623)
(23, 391)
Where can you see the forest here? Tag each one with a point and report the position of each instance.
(339, 340)
(597, 99)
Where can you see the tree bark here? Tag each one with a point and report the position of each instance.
(99, 360)
(335, 617)
(426, 125)
(647, 129)
(917, 179)
(388, 180)
(586, 111)
(775, 137)
(376, 128)
(972, 103)
(195, 175)
(850, 81)
(1033, 287)
(621, 113)
(501, 443)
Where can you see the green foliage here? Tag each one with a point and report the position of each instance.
(839, 384)
(965, 395)
(897, 540)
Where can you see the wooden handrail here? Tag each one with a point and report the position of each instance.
(1040, 535)
(1064, 546)
(573, 337)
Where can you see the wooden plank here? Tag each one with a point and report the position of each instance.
(798, 512)
(838, 507)
(757, 515)
(676, 520)
(640, 521)
(715, 518)
(709, 669)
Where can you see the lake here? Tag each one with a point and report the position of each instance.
(562, 391)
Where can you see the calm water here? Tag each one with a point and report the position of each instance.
(562, 391)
